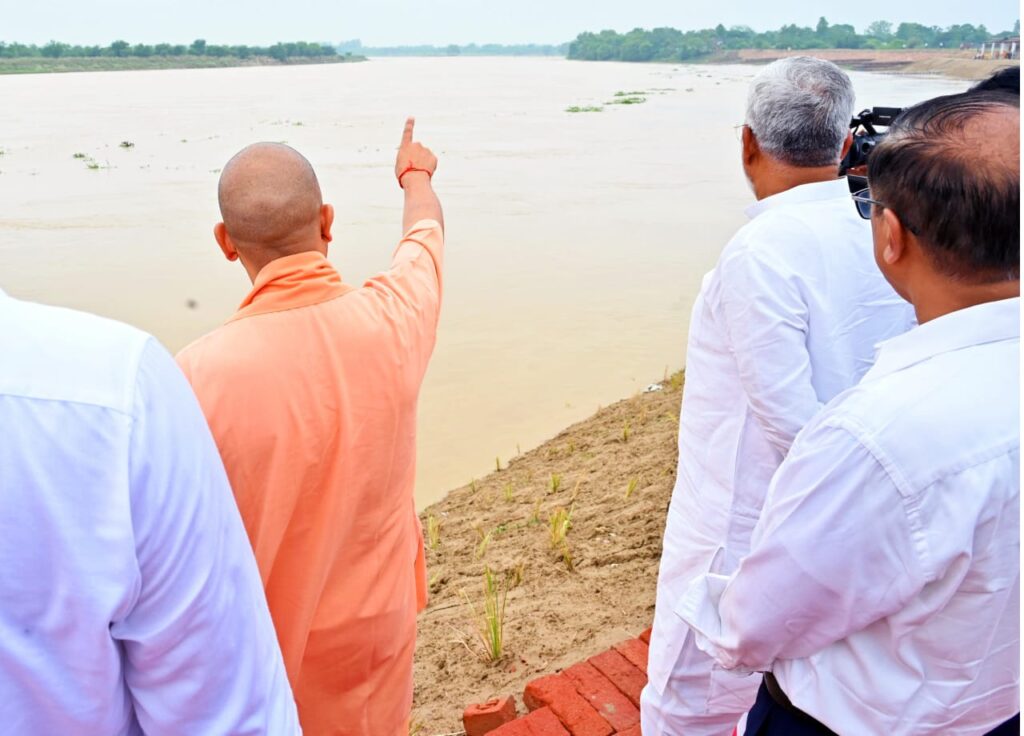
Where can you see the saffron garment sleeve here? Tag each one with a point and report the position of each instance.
(202, 657)
(835, 551)
(766, 322)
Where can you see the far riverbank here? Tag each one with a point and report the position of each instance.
(47, 65)
(954, 64)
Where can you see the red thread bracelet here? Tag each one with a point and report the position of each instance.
(410, 168)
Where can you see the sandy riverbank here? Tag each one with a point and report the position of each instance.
(615, 471)
(956, 64)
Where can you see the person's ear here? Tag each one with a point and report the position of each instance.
(894, 237)
(220, 234)
(846, 145)
(326, 221)
(751, 149)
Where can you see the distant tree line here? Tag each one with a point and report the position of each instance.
(199, 47)
(485, 49)
(669, 44)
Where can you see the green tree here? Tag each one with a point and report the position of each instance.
(119, 48)
(879, 29)
(198, 47)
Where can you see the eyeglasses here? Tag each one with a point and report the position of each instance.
(862, 201)
(738, 131)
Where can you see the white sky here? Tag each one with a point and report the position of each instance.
(394, 22)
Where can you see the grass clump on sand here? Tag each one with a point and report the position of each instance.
(572, 584)
(433, 532)
(489, 619)
(584, 108)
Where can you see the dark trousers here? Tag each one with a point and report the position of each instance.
(769, 718)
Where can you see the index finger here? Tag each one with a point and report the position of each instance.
(407, 133)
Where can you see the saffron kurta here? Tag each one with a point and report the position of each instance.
(310, 390)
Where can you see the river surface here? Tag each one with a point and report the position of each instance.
(576, 242)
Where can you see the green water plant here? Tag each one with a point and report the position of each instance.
(633, 100)
(584, 108)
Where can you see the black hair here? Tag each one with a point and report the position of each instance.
(1006, 79)
(954, 189)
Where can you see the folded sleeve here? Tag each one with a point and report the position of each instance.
(834, 552)
(201, 653)
(766, 321)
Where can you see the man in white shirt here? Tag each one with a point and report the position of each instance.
(130, 602)
(881, 592)
(787, 320)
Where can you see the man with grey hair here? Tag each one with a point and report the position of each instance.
(787, 320)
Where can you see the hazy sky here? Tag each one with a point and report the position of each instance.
(392, 22)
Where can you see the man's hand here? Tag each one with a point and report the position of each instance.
(413, 157)
(414, 167)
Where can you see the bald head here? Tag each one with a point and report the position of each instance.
(270, 200)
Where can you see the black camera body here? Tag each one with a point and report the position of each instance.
(866, 135)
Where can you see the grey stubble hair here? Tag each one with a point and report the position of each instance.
(799, 110)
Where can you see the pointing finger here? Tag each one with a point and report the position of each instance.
(407, 133)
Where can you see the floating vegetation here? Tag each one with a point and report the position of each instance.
(126, 144)
(584, 108)
(634, 93)
(633, 100)
(79, 156)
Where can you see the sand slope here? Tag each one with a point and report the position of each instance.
(555, 616)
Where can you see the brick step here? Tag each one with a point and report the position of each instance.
(598, 697)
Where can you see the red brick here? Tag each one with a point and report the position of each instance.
(481, 719)
(539, 723)
(635, 651)
(558, 693)
(646, 636)
(635, 731)
(627, 678)
(518, 727)
(605, 698)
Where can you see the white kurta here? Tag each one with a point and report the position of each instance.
(130, 602)
(883, 583)
(789, 318)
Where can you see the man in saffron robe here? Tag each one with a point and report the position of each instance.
(310, 389)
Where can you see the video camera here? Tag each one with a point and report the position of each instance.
(865, 137)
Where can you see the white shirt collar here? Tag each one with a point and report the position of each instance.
(964, 328)
(804, 193)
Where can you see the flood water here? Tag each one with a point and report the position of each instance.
(575, 242)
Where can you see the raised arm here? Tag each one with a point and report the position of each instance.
(414, 167)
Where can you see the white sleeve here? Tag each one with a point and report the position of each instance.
(201, 654)
(766, 320)
(832, 553)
